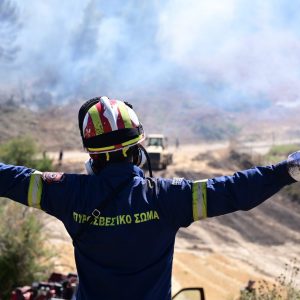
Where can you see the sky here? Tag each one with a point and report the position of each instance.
(225, 51)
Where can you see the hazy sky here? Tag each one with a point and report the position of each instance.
(228, 48)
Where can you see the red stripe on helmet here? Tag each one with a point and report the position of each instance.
(119, 146)
(120, 122)
(105, 123)
(89, 130)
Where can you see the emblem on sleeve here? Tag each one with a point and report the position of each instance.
(52, 177)
(177, 181)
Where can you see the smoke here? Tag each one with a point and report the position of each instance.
(251, 49)
(9, 25)
(230, 51)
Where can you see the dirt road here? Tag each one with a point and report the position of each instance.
(223, 253)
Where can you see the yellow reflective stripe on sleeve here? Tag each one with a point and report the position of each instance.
(195, 201)
(204, 198)
(35, 190)
(93, 111)
(125, 115)
(199, 196)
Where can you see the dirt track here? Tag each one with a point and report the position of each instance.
(223, 253)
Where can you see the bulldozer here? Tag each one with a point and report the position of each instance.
(157, 148)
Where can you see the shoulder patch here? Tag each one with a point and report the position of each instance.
(177, 181)
(52, 177)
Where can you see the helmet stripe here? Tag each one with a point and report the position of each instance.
(93, 111)
(119, 146)
(105, 123)
(133, 141)
(101, 149)
(116, 109)
(88, 129)
(133, 117)
(125, 115)
(109, 112)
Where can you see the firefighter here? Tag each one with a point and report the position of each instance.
(123, 224)
(60, 157)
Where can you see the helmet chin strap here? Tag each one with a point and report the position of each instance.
(142, 158)
(145, 157)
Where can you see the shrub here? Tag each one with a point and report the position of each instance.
(284, 288)
(18, 151)
(23, 255)
(291, 192)
(23, 152)
(284, 149)
(280, 152)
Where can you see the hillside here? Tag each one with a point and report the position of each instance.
(55, 127)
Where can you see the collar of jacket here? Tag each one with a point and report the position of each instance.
(121, 170)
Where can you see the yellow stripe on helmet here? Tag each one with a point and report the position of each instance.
(125, 115)
(94, 113)
(35, 189)
(199, 198)
(115, 148)
(133, 141)
(103, 149)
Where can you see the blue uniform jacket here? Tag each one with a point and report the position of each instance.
(127, 252)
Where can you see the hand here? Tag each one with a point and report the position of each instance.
(294, 165)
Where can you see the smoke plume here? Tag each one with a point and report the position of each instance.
(223, 52)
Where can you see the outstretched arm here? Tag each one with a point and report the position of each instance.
(246, 189)
(243, 190)
(14, 182)
(186, 201)
(54, 193)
